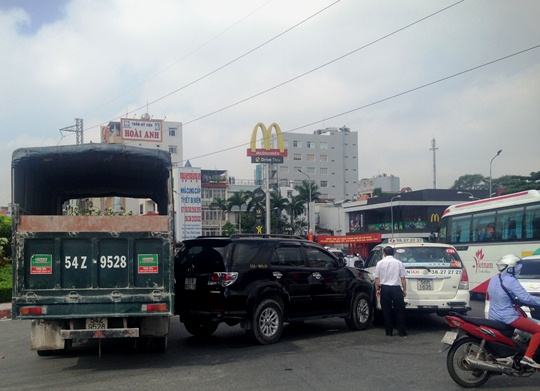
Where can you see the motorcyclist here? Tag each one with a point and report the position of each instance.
(502, 303)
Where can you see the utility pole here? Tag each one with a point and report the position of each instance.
(434, 149)
(78, 129)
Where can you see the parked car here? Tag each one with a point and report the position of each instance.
(437, 280)
(263, 282)
(530, 279)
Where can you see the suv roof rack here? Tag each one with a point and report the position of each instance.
(282, 236)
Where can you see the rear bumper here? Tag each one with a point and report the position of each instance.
(461, 302)
(99, 334)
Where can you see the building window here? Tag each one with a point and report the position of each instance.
(323, 171)
(324, 183)
(297, 144)
(310, 170)
(310, 157)
(323, 145)
(283, 182)
(297, 156)
(172, 132)
(310, 144)
(324, 158)
(283, 169)
(172, 149)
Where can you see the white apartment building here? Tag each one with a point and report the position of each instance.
(145, 132)
(328, 157)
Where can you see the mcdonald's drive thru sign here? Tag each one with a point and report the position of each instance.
(267, 154)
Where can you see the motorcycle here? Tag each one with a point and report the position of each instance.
(481, 348)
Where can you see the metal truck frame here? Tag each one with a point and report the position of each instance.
(92, 277)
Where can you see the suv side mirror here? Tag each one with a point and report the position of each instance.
(359, 264)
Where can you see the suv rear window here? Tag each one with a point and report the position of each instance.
(427, 255)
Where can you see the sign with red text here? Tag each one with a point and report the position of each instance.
(349, 239)
(190, 203)
(141, 129)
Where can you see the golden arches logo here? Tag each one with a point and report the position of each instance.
(435, 218)
(267, 149)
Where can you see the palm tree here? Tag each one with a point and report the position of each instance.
(296, 208)
(223, 205)
(278, 204)
(308, 191)
(238, 199)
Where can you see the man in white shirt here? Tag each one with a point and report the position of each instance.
(391, 287)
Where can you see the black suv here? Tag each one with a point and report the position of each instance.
(262, 282)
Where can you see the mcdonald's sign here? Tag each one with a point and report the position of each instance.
(267, 154)
(435, 218)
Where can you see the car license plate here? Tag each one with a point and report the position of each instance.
(190, 284)
(449, 337)
(96, 323)
(424, 284)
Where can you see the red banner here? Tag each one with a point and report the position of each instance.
(349, 239)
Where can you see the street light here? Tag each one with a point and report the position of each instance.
(490, 164)
(467, 193)
(392, 214)
(309, 192)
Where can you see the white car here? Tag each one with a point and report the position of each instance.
(530, 279)
(437, 280)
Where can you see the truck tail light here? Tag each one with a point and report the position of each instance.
(25, 311)
(464, 281)
(222, 278)
(159, 307)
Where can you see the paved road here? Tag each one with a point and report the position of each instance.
(319, 355)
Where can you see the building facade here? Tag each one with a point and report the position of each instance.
(328, 157)
(386, 183)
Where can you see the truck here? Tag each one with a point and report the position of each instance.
(80, 276)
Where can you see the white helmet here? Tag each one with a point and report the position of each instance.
(507, 261)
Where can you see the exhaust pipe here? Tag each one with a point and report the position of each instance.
(487, 366)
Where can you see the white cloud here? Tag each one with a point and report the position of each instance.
(107, 57)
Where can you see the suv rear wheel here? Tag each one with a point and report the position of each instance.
(200, 328)
(267, 322)
(361, 312)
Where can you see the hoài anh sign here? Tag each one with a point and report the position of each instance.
(267, 151)
(349, 239)
(141, 129)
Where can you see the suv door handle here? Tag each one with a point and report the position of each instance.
(317, 275)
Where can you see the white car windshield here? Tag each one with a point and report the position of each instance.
(428, 255)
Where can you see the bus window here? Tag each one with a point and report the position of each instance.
(510, 223)
(484, 227)
(460, 229)
(532, 222)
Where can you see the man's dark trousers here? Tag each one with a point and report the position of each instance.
(392, 303)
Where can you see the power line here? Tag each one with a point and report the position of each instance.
(382, 99)
(230, 62)
(192, 52)
(349, 53)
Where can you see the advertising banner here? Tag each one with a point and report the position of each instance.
(349, 239)
(189, 211)
(141, 129)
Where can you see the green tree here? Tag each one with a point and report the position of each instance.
(228, 229)
(296, 208)
(278, 205)
(238, 200)
(5, 238)
(471, 182)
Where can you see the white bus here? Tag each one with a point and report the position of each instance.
(484, 230)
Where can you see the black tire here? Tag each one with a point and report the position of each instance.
(200, 328)
(267, 322)
(361, 312)
(457, 367)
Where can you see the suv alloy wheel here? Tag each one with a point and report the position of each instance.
(267, 322)
(361, 312)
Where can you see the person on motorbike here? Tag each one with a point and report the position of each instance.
(505, 292)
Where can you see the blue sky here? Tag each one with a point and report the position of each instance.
(97, 59)
(40, 12)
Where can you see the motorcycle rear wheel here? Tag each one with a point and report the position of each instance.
(458, 368)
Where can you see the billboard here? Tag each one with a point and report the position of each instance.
(272, 155)
(214, 178)
(189, 210)
(141, 129)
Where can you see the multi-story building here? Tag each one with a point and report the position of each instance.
(146, 133)
(214, 185)
(386, 183)
(328, 157)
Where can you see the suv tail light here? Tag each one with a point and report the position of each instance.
(222, 278)
(464, 281)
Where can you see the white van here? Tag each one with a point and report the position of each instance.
(437, 280)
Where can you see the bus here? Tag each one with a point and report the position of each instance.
(484, 230)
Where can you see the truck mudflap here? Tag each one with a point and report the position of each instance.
(100, 334)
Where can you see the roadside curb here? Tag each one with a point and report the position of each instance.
(5, 311)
